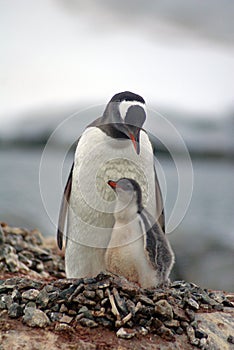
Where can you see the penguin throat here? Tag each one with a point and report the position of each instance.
(125, 212)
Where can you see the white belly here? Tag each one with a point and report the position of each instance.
(92, 201)
(126, 255)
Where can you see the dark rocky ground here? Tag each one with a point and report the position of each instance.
(40, 308)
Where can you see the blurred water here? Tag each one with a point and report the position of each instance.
(203, 243)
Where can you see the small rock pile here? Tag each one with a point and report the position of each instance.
(23, 251)
(105, 301)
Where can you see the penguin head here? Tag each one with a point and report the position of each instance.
(127, 112)
(128, 191)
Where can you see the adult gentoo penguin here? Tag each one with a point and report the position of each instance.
(138, 248)
(113, 146)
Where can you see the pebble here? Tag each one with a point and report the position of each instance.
(66, 319)
(90, 294)
(31, 304)
(54, 316)
(230, 339)
(142, 331)
(191, 314)
(35, 318)
(43, 298)
(191, 334)
(145, 300)
(63, 308)
(2, 305)
(166, 333)
(125, 333)
(86, 322)
(16, 296)
(163, 308)
(30, 294)
(7, 300)
(100, 294)
(15, 310)
(179, 331)
(172, 323)
(63, 327)
(199, 333)
(192, 303)
(6, 288)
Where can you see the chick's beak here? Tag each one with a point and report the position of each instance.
(112, 184)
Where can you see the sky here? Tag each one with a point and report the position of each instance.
(177, 54)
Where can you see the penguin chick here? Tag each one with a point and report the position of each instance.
(138, 248)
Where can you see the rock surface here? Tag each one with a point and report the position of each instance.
(38, 309)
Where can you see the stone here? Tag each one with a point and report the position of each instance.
(7, 300)
(30, 294)
(90, 294)
(86, 322)
(230, 339)
(6, 288)
(15, 310)
(16, 295)
(202, 343)
(35, 318)
(172, 323)
(180, 313)
(155, 324)
(192, 303)
(2, 305)
(12, 262)
(131, 306)
(54, 316)
(42, 299)
(86, 312)
(81, 299)
(143, 331)
(191, 314)
(63, 308)
(125, 333)
(165, 333)
(190, 333)
(145, 300)
(164, 309)
(104, 322)
(199, 333)
(64, 327)
(100, 294)
(179, 331)
(66, 319)
(31, 304)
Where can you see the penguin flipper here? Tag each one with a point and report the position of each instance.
(158, 251)
(159, 202)
(63, 209)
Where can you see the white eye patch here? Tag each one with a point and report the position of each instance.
(125, 105)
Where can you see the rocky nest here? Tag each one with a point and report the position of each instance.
(36, 292)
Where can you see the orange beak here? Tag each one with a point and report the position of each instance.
(135, 142)
(112, 184)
